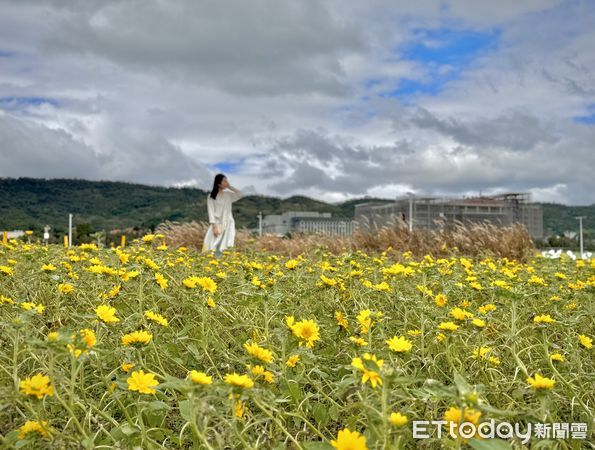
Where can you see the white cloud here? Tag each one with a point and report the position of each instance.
(293, 93)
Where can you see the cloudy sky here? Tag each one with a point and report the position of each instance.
(330, 99)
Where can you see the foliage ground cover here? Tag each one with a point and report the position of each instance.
(154, 347)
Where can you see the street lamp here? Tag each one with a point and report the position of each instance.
(260, 223)
(69, 230)
(410, 195)
(580, 233)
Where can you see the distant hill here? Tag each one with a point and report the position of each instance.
(30, 203)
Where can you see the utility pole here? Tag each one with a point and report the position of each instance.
(580, 233)
(260, 223)
(69, 230)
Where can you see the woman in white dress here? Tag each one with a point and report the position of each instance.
(222, 229)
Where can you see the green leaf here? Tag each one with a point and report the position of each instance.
(124, 431)
(294, 390)
(316, 445)
(320, 413)
(333, 412)
(489, 444)
(185, 410)
(461, 384)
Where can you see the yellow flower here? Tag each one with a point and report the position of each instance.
(238, 409)
(7, 270)
(200, 377)
(501, 284)
(557, 357)
(207, 284)
(30, 305)
(399, 344)
(126, 367)
(457, 416)
(256, 281)
(341, 320)
(440, 300)
(65, 288)
(53, 336)
(142, 382)
(211, 302)
(349, 440)
(365, 321)
(585, 341)
(31, 426)
(475, 285)
(447, 326)
(328, 281)
(157, 318)
(256, 370)
(460, 314)
(397, 419)
(487, 308)
(161, 281)
(369, 375)
(358, 340)
(483, 352)
(307, 330)
(37, 386)
(242, 381)
(478, 323)
(106, 313)
(88, 337)
(89, 340)
(269, 377)
(382, 287)
(539, 382)
(258, 352)
(48, 268)
(537, 281)
(414, 332)
(544, 318)
(141, 336)
(292, 360)
(291, 264)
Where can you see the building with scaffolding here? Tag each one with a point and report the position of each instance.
(436, 212)
(306, 222)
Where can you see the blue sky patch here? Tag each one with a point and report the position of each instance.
(20, 102)
(589, 118)
(444, 53)
(227, 166)
(448, 46)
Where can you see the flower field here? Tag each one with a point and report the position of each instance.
(154, 347)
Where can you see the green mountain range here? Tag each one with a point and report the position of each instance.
(30, 203)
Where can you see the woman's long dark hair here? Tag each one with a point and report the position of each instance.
(218, 178)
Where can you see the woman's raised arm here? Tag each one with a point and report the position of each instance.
(235, 194)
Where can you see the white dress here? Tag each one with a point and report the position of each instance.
(220, 212)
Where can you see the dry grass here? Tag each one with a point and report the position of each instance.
(512, 242)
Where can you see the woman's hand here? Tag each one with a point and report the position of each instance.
(216, 229)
